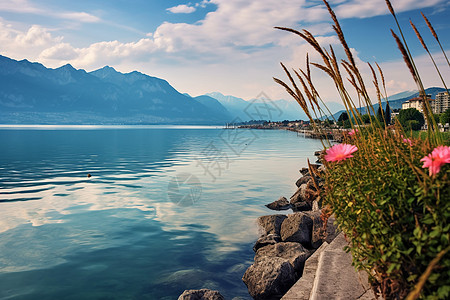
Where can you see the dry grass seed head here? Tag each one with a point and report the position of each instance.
(405, 56)
(418, 35)
(430, 27)
(389, 5)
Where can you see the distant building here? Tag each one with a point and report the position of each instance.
(417, 103)
(442, 103)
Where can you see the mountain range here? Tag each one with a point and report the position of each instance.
(30, 93)
(395, 101)
(33, 94)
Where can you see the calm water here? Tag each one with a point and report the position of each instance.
(132, 231)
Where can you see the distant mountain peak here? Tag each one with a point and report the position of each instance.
(66, 67)
(108, 68)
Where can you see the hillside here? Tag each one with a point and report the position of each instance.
(30, 93)
(396, 103)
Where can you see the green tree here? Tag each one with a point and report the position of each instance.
(327, 123)
(343, 117)
(380, 115)
(387, 114)
(347, 124)
(366, 118)
(411, 118)
(445, 117)
(437, 118)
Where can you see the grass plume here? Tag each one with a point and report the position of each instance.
(433, 32)
(419, 36)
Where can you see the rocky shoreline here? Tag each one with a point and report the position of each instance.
(286, 240)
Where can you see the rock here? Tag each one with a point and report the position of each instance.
(320, 152)
(271, 224)
(306, 192)
(322, 169)
(299, 194)
(332, 230)
(303, 180)
(301, 206)
(320, 155)
(295, 253)
(315, 204)
(304, 171)
(280, 204)
(265, 240)
(297, 228)
(269, 278)
(318, 230)
(203, 294)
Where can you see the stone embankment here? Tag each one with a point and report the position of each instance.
(288, 240)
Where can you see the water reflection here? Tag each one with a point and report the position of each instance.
(116, 234)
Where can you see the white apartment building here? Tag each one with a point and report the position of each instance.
(417, 103)
(442, 103)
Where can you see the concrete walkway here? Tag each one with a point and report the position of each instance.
(329, 274)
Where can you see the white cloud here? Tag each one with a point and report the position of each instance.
(182, 9)
(24, 6)
(78, 16)
(25, 44)
(99, 54)
(235, 49)
(364, 8)
(203, 3)
(20, 6)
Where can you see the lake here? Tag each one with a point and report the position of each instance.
(163, 209)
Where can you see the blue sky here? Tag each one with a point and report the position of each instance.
(228, 46)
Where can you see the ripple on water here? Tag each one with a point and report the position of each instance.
(117, 235)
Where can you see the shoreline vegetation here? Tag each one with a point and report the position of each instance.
(331, 134)
(387, 190)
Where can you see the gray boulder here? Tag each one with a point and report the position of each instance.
(271, 224)
(269, 278)
(306, 192)
(265, 240)
(303, 180)
(332, 231)
(301, 206)
(203, 294)
(299, 195)
(295, 253)
(320, 153)
(297, 228)
(280, 204)
(304, 171)
(318, 231)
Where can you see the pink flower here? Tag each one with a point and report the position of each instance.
(407, 141)
(340, 152)
(437, 158)
(353, 132)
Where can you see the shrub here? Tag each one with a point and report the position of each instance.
(397, 217)
(411, 119)
(445, 117)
